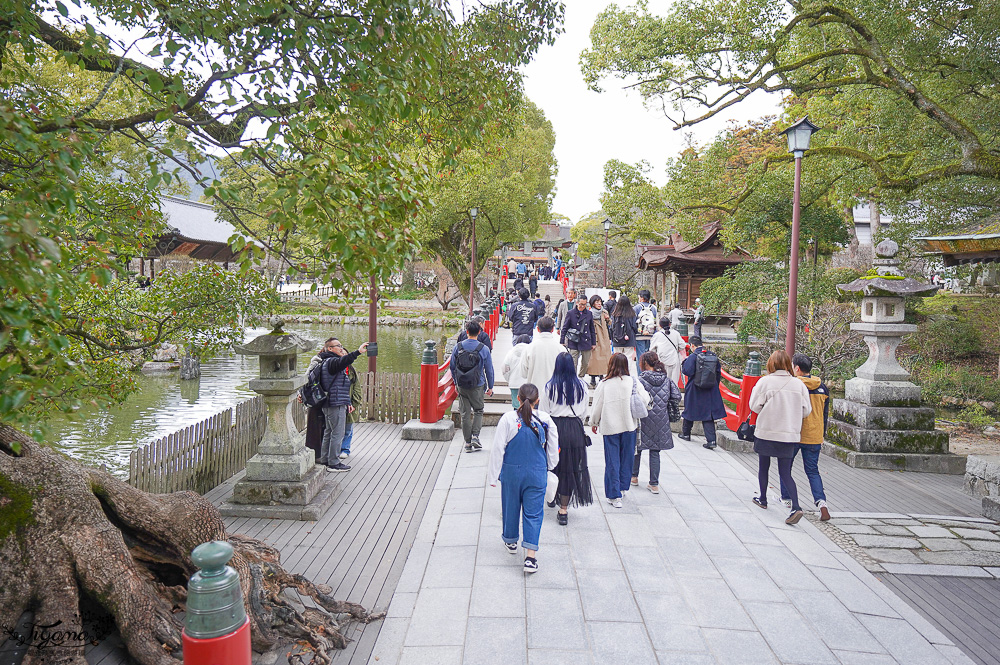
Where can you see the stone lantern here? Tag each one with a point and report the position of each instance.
(881, 422)
(282, 480)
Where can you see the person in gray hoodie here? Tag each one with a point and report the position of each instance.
(654, 429)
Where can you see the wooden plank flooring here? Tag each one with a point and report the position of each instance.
(963, 608)
(867, 490)
(360, 545)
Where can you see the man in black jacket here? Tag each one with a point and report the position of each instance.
(337, 383)
(581, 338)
(523, 315)
(482, 337)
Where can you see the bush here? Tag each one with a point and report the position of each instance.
(942, 380)
(946, 339)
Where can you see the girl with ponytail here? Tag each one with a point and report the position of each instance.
(525, 447)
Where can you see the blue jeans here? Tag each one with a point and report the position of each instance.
(810, 460)
(619, 453)
(345, 447)
(641, 346)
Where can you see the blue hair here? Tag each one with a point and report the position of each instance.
(565, 387)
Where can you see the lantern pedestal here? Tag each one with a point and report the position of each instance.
(881, 423)
(282, 480)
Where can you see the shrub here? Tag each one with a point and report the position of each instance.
(941, 380)
(946, 339)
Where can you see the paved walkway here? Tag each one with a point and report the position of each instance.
(696, 574)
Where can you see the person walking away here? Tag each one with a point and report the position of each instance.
(512, 370)
(472, 369)
(562, 309)
(483, 336)
(699, 317)
(702, 399)
(566, 401)
(610, 304)
(539, 305)
(511, 268)
(519, 283)
(549, 309)
(781, 403)
(353, 412)
(654, 429)
(525, 447)
(624, 328)
(611, 415)
(539, 359)
(523, 315)
(667, 344)
(558, 266)
(645, 314)
(533, 283)
(578, 335)
(813, 431)
(522, 269)
(601, 353)
(676, 316)
(336, 381)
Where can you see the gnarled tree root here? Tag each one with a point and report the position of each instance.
(70, 533)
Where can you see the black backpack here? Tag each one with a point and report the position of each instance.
(467, 365)
(312, 393)
(618, 330)
(706, 373)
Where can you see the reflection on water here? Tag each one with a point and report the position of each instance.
(165, 404)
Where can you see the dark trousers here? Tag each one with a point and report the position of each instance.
(707, 425)
(810, 460)
(654, 466)
(784, 473)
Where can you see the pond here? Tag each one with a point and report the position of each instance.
(165, 404)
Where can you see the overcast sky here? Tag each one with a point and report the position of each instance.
(592, 128)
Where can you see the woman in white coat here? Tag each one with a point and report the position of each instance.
(668, 346)
(780, 401)
(611, 415)
(512, 370)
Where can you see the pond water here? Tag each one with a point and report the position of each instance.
(165, 404)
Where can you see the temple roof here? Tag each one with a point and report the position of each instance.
(968, 248)
(683, 257)
(194, 230)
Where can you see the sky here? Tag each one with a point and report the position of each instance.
(592, 128)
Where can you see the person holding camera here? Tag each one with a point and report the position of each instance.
(336, 381)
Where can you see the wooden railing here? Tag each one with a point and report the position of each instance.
(200, 456)
(390, 397)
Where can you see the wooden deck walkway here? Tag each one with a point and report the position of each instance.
(360, 545)
(870, 491)
(963, 608)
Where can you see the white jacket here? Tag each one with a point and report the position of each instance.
(611, 411)
(511, 369)
(507, 429)
(667, 348)
(781, 401)
(539, 360)
(558, 410)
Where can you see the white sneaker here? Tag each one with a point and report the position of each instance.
(617, 503)
(344, 455)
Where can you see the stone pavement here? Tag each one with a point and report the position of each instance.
(696, 574)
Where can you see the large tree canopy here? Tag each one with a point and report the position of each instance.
(102, 100)
(906, 92)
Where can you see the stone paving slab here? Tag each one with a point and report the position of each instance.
(693, 575)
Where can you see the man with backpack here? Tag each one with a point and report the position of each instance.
(645, 315)
(472, 370)
(539, 305)
(533, 283)
(329, 387)
(702, 399)
(523, 315)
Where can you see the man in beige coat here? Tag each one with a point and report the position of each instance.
(539, 360)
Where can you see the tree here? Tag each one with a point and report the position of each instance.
(319, 97)
(906, 93)
(509, 178)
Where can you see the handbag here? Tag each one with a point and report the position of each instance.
(673, 410)
(551, 486)
(746, 431)
(573, 335)
(639, 410)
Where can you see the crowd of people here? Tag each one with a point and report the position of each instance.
(542, 444)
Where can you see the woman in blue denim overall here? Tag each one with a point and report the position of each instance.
(525, 447)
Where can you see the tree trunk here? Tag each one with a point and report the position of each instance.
(72, 534)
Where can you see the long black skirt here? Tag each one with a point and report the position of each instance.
(572, 471)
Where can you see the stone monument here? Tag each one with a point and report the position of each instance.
(282, 480)
(881, 422)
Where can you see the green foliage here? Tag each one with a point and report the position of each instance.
(905, 92)
(321, 99)
(946, 339)
(944, 379)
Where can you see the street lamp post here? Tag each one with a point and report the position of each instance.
(607, 227)
(473, 212)
(575, 245)
(798, 142)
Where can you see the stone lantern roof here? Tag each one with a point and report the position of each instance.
(885, 279)
(275, 343)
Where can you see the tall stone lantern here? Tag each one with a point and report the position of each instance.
(282, 480)
(881, 422)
